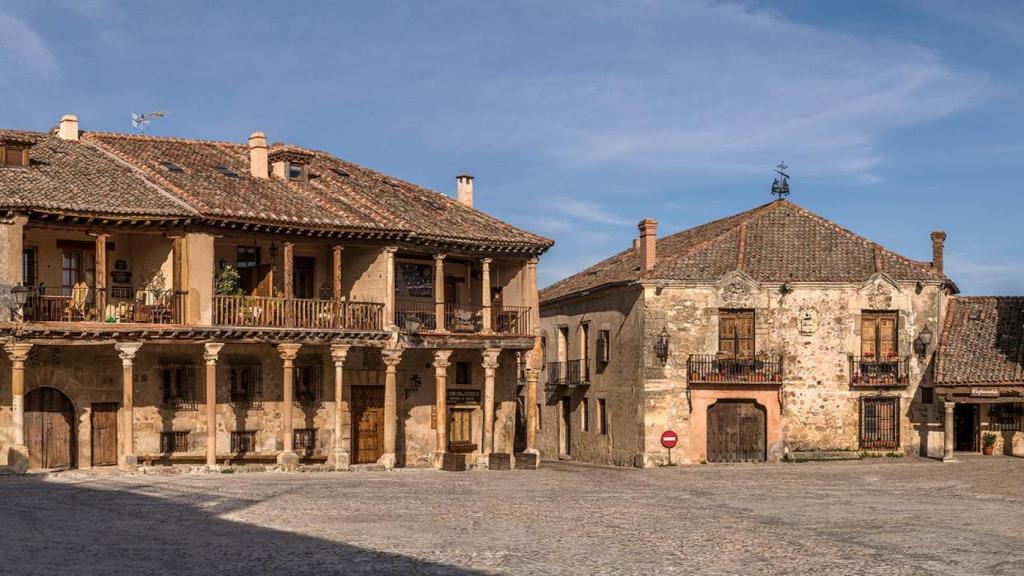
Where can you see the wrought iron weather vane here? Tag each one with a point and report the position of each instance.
(780, 187)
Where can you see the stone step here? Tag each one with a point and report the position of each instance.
(526, 461)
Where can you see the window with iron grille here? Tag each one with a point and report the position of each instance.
(246, 383)
(604, 344)
(305, 440)
(309, 383)
(1005, 417)
(880, 422)
(244, 441)
(171, 442)
(29, 266)
(178, 383)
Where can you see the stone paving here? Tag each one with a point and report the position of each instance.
(868, 517)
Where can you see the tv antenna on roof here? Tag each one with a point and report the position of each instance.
(780, 187)
(141, 121)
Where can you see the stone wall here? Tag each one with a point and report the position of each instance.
(617, 383)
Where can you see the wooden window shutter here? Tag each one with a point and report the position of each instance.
(868, 331)
(887, 336)
(603, 345)
(727, 334)
(745, 334)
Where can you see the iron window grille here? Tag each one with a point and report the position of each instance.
(171, 442)
(1005, 417)
(304, 440)
(880, 422)
(247, 384)
(244, 441)
(178, 382)
(309, 384)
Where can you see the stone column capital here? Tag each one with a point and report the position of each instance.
(441, 359)
(440, 256)
(391, 357)
(127, 351)
(17, 351)
(532, 261)
(339, 352)
(391, 249)
(490, 358)
(486, 261)
(288, 352)
(211, 350)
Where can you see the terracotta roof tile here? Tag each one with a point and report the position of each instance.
(782, 242)
(982, 341)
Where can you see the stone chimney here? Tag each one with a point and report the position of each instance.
(258, 155)
(938, 243)
(464, 189)
(68, 128)
(648, 247)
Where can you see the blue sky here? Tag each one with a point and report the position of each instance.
(578, 119)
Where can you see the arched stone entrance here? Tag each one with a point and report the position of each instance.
(50, 429)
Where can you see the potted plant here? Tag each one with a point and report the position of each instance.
(988, 443)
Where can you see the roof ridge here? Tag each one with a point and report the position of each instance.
(151, 138)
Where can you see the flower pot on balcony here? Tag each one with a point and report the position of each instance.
(694, 377)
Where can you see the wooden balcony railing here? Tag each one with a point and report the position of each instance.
(413, 316)
(511, 320)
(715, 368)
(79, 304)
(892, 371)
(571, 373)
(273, 312)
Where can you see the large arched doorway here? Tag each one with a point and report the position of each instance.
(736, 431)
(49, 429)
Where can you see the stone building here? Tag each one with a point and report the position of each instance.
(168, 300)
(767, 334)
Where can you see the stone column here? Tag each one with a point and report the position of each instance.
(441, 365)
(485, 295)
(101, 277)
(532, 295)
(211, 351)
(342, 414)
(531, 410)
(18, 353)
(947, 430)
(288, 458)
(127, 351)
(490, 362)
(391, 357)
(389, 291)
(439, 292)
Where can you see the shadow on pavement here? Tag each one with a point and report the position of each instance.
(52, 527)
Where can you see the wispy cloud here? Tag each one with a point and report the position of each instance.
(24, 53)
(583, 210)
(986, 276)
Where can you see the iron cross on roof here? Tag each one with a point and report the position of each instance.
(780, 187)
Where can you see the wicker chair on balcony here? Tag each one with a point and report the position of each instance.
(77, 310)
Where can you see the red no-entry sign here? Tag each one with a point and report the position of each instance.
(669, 439)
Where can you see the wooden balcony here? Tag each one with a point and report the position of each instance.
(511, 320)
(568, 374)
(418, 316)
(308, 313)
(871, 371)
(713, 368)
(122, 305)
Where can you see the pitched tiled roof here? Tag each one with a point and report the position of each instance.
(982, 341)
(776, 242)
(148, 176)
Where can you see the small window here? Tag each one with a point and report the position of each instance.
(1005, 417)
(736, 333)
(296, 171)
(602, 416)
(29, 266)
(304, 440)
(309, 384)
(340, 172)
(171, 166)
(171, 442)
(585, 414)
(247, 256)
(242, 442)
(246, 384)
(15, 157)
(604, 339)
(540, 418)
(463, 373)
(878, 336)
(178, 382)
(224, 170)
(927, 395)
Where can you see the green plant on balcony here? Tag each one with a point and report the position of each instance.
(228, 282)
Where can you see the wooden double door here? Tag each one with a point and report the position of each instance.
(367, 424)
(49, 429)
(736, 432)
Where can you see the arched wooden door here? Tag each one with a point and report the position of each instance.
(736, 431)
(49, 429)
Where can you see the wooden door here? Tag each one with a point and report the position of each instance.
(367, 423)
(736, 432)
(565, 425)
(460, 427)
(49, 429)
(104, 433)
(965, 427)
(303, 273)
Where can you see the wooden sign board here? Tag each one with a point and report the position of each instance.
(984, 393)
(462, 396)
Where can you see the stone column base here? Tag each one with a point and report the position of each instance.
(500, 461)
(288, 460)
(439, 459)
(387, 461)
(17, 459)
(340, 460)
(128, 462)
(949, 459)
(483, 462)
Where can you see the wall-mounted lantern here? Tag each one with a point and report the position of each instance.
(20, 295)
(661, 346)
(924, 340)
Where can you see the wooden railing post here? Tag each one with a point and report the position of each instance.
(439, 307)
